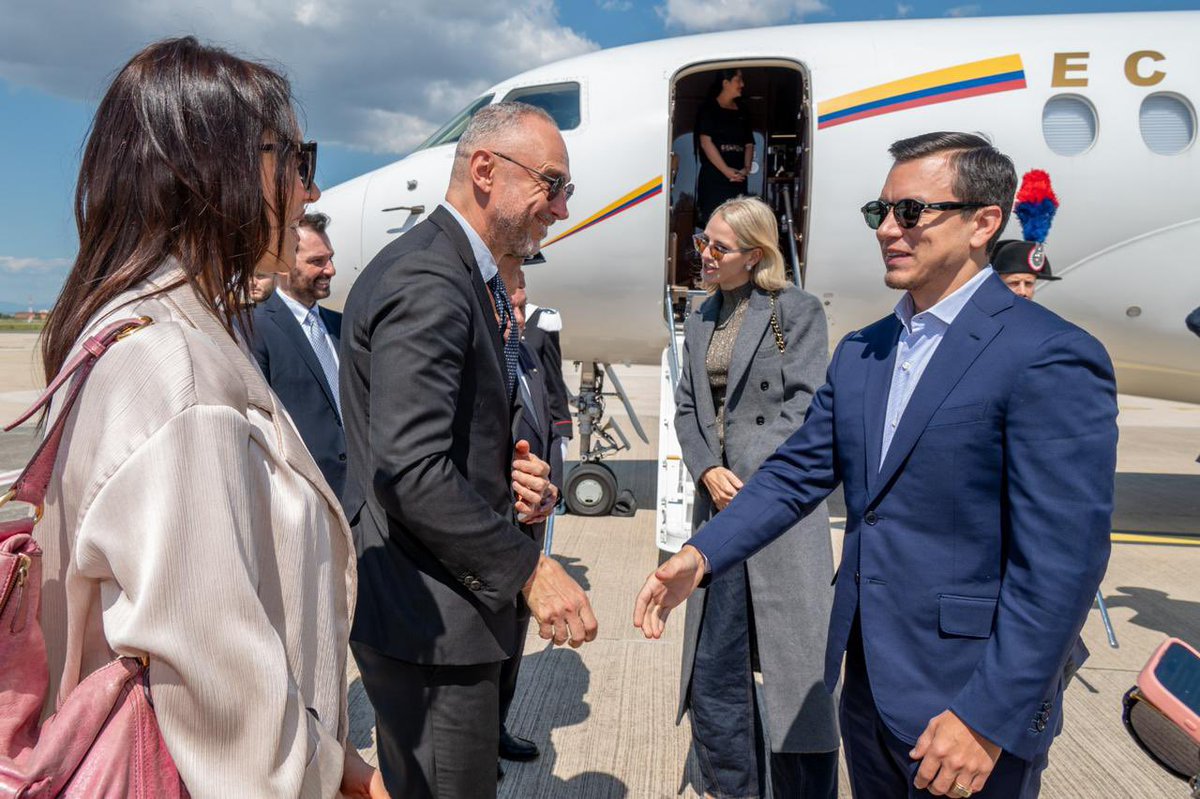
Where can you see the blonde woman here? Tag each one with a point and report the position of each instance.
(755, 352)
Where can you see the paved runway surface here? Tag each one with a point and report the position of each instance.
(603, 715)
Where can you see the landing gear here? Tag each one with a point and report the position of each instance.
(591, 490)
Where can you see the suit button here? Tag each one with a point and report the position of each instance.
(871, 517)
(475, 585)
(760, 420)
(1041, 724)
(856, 578)
(341, 456)
(764, 385)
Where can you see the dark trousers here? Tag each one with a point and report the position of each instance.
(878, 760)
(510, 667)
(436, 727)
(728, 732)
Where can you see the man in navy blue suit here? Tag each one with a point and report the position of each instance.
(975, 435)
(295, 342)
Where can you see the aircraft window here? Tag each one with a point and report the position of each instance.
(452, 131)
(559, 100)
(1168, 123)
(1069, 124)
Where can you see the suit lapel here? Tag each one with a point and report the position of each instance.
(285, 320)
(754, 326)
(970, 333)
(535, 422)
(449, 225)
(875, 394)
(705, 322)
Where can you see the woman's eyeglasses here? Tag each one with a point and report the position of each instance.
(306, 158)
(555, 185)
(719, 251)
(908, 212)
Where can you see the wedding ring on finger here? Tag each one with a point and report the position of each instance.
(961, 791)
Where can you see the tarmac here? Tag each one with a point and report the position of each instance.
(604, 715)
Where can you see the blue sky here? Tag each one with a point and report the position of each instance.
(374, 76)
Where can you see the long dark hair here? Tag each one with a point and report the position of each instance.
(172, 167)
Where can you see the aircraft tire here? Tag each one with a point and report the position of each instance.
(591, 490)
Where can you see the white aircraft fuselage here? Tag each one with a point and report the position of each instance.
(1125, 239)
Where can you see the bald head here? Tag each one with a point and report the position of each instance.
(510, 178)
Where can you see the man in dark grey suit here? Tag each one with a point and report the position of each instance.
(295, 342)
(428, 390)
(534, 423)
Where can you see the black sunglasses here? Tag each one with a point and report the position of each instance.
(908, 212)
(306, 158)
(554, 185)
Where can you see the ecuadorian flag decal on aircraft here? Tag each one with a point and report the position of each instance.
(989, 76)
(651, 188)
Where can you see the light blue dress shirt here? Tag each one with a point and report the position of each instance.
(919, 340)
(483, 256)
(301, 312)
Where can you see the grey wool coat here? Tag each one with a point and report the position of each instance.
(766, 399)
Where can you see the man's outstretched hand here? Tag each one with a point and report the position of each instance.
(666, 588)
(561, 608)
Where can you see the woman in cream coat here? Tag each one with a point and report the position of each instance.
(186, 521)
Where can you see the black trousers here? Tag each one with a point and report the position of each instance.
(510, 667)
(436, 727)
(878, 760)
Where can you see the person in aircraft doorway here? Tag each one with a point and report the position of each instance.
(754, 354)
(725, 145)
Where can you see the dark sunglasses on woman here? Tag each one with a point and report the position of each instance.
(306, 158)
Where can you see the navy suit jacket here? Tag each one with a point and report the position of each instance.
(973, 554)
(538, 427)
(293, 371)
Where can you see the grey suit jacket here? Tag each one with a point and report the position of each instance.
(429, 434)
(767, 396)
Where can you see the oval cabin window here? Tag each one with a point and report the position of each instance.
(1168, 123)
(1069, 124)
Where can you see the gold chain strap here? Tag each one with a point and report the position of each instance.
(775, 326)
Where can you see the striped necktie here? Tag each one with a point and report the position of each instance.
(319, 339)
(512, 344)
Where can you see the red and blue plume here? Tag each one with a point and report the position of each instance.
(1036, 205)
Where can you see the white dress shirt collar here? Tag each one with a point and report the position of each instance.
(483, 256)
(298, 309)
(946, 310)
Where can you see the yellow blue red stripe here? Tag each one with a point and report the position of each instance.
(651, 188)
(989, 76)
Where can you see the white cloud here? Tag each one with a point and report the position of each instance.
(971, 10)
(372, 74)
(714, 15)
(28, 266)
(903, 9)
(615, 5)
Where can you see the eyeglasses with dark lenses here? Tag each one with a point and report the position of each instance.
(719, 251)
(555, 185)
(908, 212)
(306, 158)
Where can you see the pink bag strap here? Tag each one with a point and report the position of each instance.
(31, 486)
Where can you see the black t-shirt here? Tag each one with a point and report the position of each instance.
(730, 133)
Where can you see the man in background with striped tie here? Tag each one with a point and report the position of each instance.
(295, 342)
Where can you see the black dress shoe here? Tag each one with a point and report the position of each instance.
(515, 748)
(499, 771)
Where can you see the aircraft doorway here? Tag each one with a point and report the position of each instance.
(775, 102)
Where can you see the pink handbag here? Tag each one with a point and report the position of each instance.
(103, 741)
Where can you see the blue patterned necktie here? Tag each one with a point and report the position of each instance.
(512, 344)
(323, 349)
